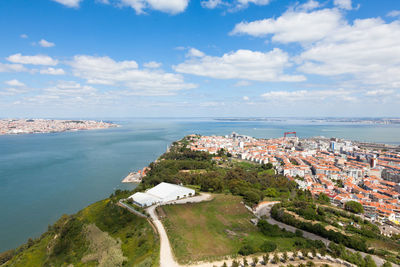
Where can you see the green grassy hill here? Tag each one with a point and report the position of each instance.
(102, 234)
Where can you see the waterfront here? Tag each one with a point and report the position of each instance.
(45, 175)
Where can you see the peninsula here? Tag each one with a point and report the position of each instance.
(29, 126)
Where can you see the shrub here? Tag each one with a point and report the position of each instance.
(268, 246)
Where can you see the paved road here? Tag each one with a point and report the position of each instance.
(264, 209)
(166, 257)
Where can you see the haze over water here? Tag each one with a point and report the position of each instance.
(43, 176)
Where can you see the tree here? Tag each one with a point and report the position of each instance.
(298, 233)
(255, 261)
(224, 265)
(369, 262)
(275, 258)
(251, 196)
(268, 246)
(310, 264)
(387, 264)
(235, 263)
(245, 263)
(285, 256)
(265, 259)
(295, 254)
(271, 192)
(323, 198)
(354, 206)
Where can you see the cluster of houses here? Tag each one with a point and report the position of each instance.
(338, 168)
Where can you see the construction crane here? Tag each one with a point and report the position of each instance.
(287, 133)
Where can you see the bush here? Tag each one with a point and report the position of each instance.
(298, 233)
(268, 246)
(354, 206)
(246, 249)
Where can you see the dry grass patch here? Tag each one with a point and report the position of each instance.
(103, 248)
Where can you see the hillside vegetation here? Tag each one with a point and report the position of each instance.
(102, 234)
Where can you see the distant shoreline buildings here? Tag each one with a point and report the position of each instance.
(30, 126)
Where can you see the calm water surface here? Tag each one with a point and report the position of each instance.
(43, 176)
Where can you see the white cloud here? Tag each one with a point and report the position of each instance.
(242, 83)
(344, 4)
(310, 5)
(152, 65)
(193, 52)
(211, 4)
(70, 88)
(294, 26)
(12, 91)
(33, 60)
(127, 75)
(245, 3)
(380, 92)
(167, 6)
(23, 36)
(394, 13)
(369, 50)
(232, 5)
(11, 67)
(69, 3)
(44, 43)
(310, 95)
(246, 98)
(52, 71)
(242, 64)
(15, 83)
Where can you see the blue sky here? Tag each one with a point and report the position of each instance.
(127, 58)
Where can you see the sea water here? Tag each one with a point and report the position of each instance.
(43, 176)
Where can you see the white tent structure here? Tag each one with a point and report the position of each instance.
(161, 193)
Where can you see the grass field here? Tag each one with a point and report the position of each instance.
(213, 229)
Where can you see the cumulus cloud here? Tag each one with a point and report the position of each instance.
(369, 49)
(33, 60)
(152, 65)
(344, 4)
(69, 3)
(307, 6)
(13, 91)
(52, 71)
(293, 26)
(70, 88)
(310, 95)
(15, 83)
(246, 98)
(394, 13)
(364, 52)
(232, 5)
(11, 67)
(140, 6)
(127, 75)
(241, 64)
(44, 43)
(380, 92)
(211, 4)
(193, 52)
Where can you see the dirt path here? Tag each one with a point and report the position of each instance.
(166, 257)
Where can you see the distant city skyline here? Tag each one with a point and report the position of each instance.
(209, 58)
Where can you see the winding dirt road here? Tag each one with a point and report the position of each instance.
(166, 257)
